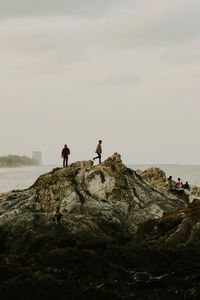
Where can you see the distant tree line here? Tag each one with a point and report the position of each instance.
(16, 161)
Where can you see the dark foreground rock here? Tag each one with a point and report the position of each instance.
(119, 238)
(112, 271)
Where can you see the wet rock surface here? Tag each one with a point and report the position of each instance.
(119, 238)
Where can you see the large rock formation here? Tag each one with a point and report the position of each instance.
(117, 239)
(108, 198)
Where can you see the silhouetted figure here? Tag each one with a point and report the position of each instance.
(186, 186)
(179, 184)
(65, 153)
(170, 183)
(57, 215)
(98, 151)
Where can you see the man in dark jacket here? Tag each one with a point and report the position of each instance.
(64, 154)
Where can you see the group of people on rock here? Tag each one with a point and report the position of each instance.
(172, 185)
(66, 152)
(57, 214)
(178, 185)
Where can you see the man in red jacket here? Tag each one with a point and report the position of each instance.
(64, 154)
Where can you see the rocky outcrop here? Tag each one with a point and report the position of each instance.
(157, 179)
(178, 228)
(110, 199)
(182, 226)
(117, 239)
(110, 193)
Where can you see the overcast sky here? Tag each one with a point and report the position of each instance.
(76, 71)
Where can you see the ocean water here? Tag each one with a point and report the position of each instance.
(21, 177)
(24, 177)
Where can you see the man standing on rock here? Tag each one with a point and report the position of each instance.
(64, 154)
(98, 151)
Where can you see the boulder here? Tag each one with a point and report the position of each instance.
(158, 180)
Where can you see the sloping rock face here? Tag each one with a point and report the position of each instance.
(117, 238)
(182, 226)
(111, 193)
(157, 179)
(178, 228)
(195, 191)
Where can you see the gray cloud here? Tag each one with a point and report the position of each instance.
(31, 114)
(153, 25)
(179, 55)
(73, 38)
(130, 78)
(10, 8)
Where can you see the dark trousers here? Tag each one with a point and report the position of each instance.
(65, 161)
(99, 157)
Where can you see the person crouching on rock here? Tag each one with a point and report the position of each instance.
(170, 183)
(57, 215)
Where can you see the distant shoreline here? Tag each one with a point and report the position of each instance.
(18, 166)
(13, 161)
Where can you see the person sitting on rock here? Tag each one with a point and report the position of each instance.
(186, 186)
(179, 184)
(171, 183)
(57, 215)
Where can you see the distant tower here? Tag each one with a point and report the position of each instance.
(37, 157)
